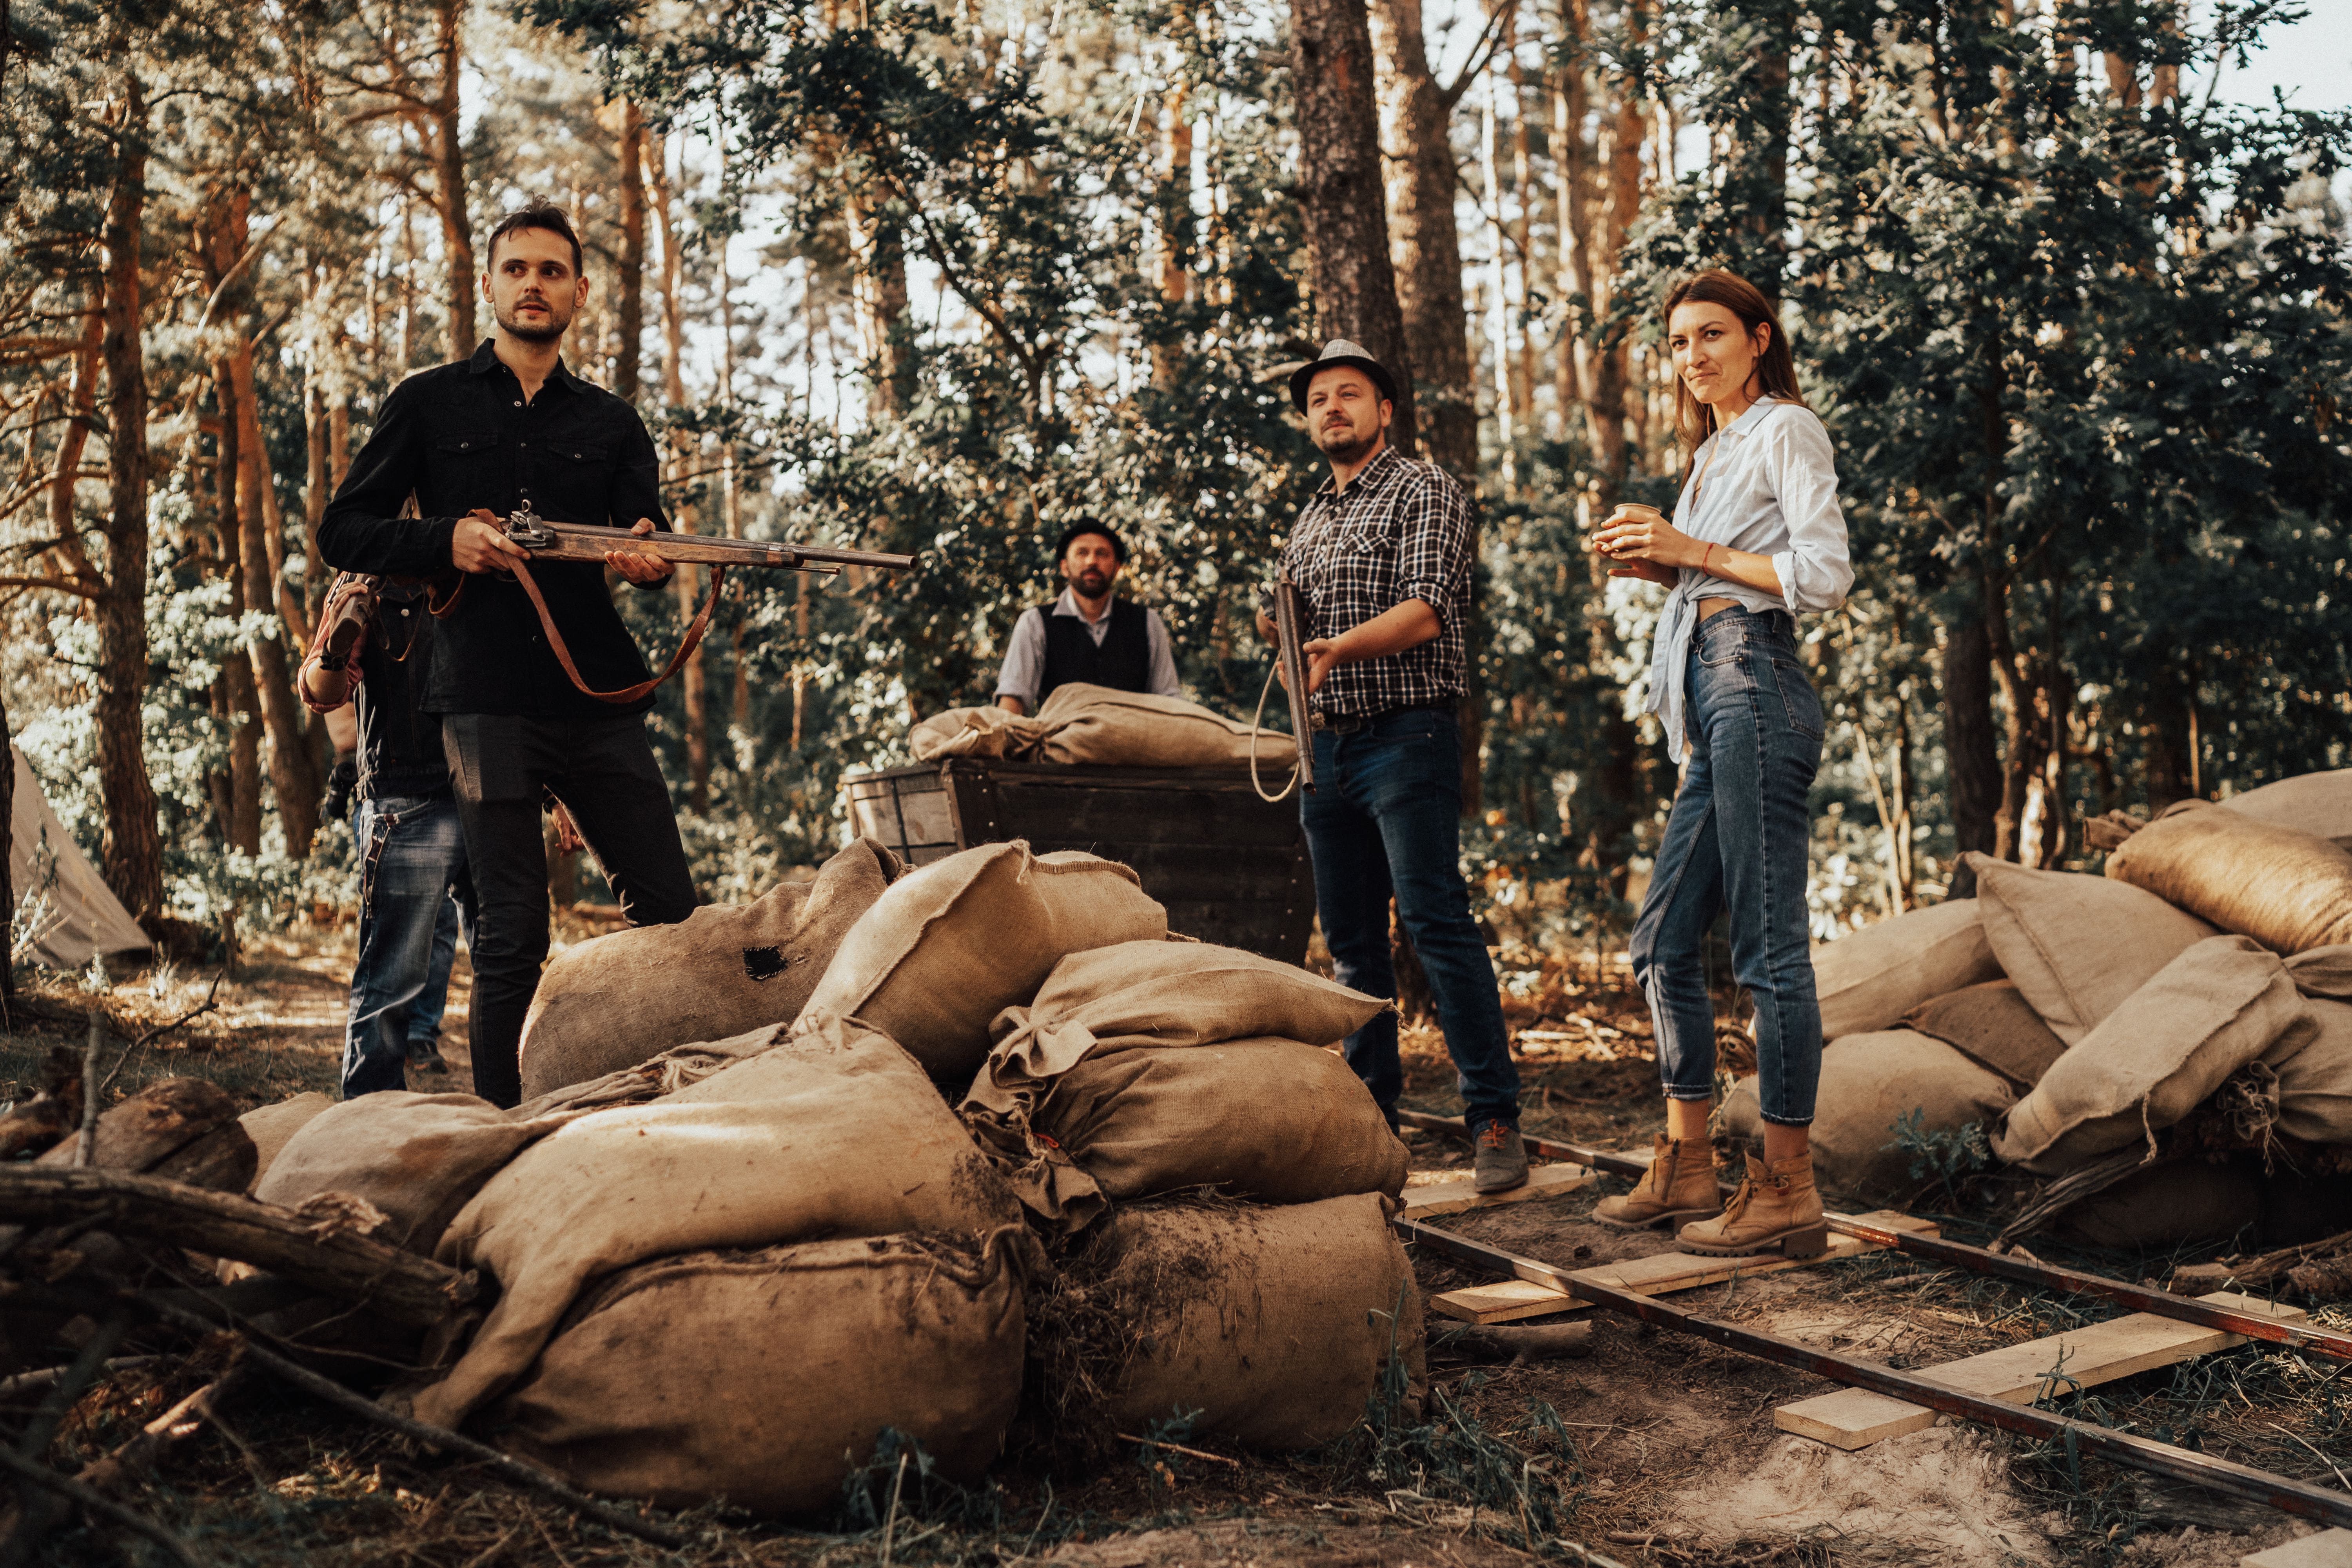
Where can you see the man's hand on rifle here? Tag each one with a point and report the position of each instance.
(644, 570)
(480, 544)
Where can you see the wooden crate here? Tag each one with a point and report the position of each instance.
(1231, 869)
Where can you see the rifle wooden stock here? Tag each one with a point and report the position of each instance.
(1290, 639)
(351, 605)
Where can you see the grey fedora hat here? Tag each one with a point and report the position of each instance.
(1339, 352)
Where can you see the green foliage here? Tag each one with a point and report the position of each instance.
(1947, 1158)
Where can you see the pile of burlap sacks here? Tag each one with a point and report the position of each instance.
(936, 1151)
(2193, 1005)
(1081, 723)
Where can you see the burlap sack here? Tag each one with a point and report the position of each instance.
(2221, 1005)
(2322, 971)
(419, 1158)
(615, 1001)
(2317, 804)
(270, 1126)
(1869, 978)
(2077, 945)
(1994, 1026)
(990, 731)
(2314, 1085)
(836, 1132)
(1085, 723)
(953, 944)
(2288, 890)
(668, 1073)
(1274, 1121)
(2178, 1203)
(1274, 1324)
(1871, 1082)
(763, 1378)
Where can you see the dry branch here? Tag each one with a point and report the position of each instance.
(413, 1292)
(99, 1505)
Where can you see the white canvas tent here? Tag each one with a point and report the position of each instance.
(78, 913)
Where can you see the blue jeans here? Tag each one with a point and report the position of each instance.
(1738, 839)
(1386, 819)
(414, 893)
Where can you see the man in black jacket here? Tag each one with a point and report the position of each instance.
(1087, 634)
(471, 442)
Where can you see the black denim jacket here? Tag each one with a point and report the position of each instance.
(461, 436)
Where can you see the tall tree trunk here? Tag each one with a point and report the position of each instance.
(1176, 224)
(81, 418)
(1971, 754)
(1424, 247)
(632, 308)
(239, 710)
(691, 677)
(449, 159)
(1498, 297)
(131, 847)
(1353, 280)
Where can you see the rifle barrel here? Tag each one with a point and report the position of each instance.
(588, 541)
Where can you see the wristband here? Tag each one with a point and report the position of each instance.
(1705, 556)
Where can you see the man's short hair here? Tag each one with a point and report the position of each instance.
(1083, 527)
(536, 213)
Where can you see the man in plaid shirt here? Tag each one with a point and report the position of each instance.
(1381, 557)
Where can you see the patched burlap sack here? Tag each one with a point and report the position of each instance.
(1871, 1082)
(953, 944)
(1274, 1324)
(615, 1001)
(270, 1126)
(1869, 978)
(1995, 1026)
(2317, 804)
(2314, 1085)
(2178, 1203)
(2223, 1003)
(990, 731)
(2077, 945)
(1085, 723)
(1274, 1120)
(2288, 890)
(836, 1132)
(419, 1158)
(763, 1378)
(1167, 997)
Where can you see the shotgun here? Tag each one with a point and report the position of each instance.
(587, 541)
(351, 610)
(1290, 645)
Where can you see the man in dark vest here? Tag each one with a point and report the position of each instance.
(1087, 634)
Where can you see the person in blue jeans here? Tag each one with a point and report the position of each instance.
(415, 895)
(1756, 539)
(1381, 557)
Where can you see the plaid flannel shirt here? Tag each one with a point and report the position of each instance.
(1401, 530)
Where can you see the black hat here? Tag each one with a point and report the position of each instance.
(1086, 525)
(1338, 352)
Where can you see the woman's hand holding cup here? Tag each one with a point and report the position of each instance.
(1638, 537)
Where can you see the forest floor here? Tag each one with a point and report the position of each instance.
(1656, 1450)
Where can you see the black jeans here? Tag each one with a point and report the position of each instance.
(603, 770)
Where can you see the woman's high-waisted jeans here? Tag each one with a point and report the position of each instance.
(1738, 839)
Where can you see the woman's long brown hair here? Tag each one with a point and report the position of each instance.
(1776, 368)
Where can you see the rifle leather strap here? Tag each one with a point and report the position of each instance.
(627, 693)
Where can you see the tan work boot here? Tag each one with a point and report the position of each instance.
(1776, 1209)
(1679, 1185)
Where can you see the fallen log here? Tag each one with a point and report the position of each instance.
(53, 1112)
(2262, 1268)
(407, 1290)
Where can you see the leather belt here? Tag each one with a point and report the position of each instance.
(1350, 724)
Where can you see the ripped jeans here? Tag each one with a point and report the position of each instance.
(1737, 840)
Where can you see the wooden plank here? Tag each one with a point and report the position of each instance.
(1656, 1275)
(2017, 1374)
(2328, 1549)
(1456, 1195)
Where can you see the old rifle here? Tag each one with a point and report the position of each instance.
(1290, 662)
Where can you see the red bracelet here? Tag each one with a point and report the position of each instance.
(1705, 556)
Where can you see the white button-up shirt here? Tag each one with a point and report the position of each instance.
(1767, 484)
(1024, 659)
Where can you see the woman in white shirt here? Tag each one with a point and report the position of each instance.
(1756, 539)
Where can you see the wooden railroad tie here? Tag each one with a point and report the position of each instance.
(1506, 1301)
(2018, 1374)
(1428, 1193)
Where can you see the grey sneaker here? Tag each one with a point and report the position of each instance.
(1502, 1162)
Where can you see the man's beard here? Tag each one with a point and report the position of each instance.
(543, 331)
(1348, 448)
(1091, 585)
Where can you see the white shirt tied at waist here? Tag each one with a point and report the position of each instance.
(1767, 484)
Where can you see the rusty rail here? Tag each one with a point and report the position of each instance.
(2236, 1480)
(1976, 1260)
